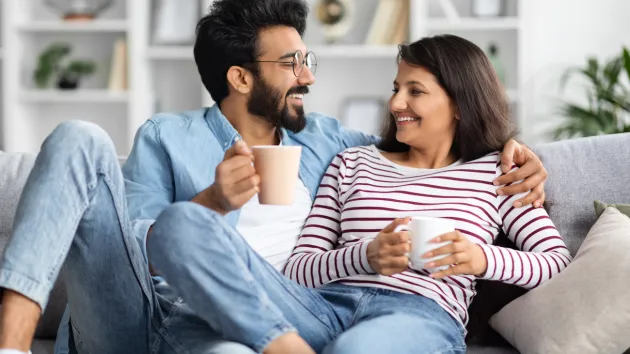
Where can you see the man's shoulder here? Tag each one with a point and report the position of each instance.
(178, 120)
(317, 122)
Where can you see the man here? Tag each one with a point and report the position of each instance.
(79, 211)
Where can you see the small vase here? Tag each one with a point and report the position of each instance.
(67, 84)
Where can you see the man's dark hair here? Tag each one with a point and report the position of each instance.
(465, 73)
(228, 36)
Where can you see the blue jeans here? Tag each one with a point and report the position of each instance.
(245, 299)
(72, 220)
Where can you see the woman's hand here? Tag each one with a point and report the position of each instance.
(465, 257)
(388, 252)
(531, 171)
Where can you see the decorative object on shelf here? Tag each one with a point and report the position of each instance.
(79, 9)
(390, 24)
(488, 8)
(366, 114)
(495, 60)
(337, 17)
(608, 108)
(50, 64)
(174, 21)
(118, 69)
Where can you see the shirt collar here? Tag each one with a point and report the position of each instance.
(221, 127)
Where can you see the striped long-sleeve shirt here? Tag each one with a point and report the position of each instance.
(362, 192)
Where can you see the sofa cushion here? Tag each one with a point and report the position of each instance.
(601, 206)
(581, 171)
(583, 309)
(14, 170)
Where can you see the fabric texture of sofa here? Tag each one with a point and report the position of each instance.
(580, 171)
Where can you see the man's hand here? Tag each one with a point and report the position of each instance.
(235, 182)
(388, 253)
(530, 169)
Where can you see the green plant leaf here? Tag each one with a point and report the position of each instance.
(626, 61)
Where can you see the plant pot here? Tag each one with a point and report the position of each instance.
(67, 84)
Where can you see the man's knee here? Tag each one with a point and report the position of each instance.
(74, 134)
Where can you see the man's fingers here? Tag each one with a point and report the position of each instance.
(239, 148)
(245, 185)
(507, 156)
(236, 162)
(527, 185)
(244, 197)
(240, 173)
(531, 197)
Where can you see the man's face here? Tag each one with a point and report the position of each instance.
(277, 92)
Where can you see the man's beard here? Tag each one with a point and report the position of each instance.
(266, 102)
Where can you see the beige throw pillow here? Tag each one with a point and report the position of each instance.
(584, 309)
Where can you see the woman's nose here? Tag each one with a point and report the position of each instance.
(398, 103)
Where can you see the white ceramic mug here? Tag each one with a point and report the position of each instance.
(422, 230)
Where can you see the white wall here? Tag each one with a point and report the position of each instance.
(558, 34)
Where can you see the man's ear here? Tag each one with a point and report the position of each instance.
(240, 79)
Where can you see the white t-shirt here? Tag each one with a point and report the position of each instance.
(273, 230)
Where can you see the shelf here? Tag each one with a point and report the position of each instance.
(78, 96)
(473, 24)
(321, 51)
(174, 52)
(75, 26)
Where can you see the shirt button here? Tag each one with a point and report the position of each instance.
(224, 144)
(237, 138)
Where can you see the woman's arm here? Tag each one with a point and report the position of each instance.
(316, 258)
(543, 251)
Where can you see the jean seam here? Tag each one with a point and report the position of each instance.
(367, 295)
(126, 237)
(276, 331)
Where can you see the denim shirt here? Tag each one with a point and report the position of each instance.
(174, 157)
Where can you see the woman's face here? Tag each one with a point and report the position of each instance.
(423, 112)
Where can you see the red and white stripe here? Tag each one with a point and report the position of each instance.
(362, 192)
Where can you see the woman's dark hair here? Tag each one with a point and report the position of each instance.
(228, 36)
(465, 73)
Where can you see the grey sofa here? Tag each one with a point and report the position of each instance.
(580, 171)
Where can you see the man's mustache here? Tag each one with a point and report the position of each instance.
(300, 90)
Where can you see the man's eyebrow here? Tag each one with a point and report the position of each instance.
(288, 55)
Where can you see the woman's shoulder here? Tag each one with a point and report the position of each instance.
(488, 164)
(358, 153)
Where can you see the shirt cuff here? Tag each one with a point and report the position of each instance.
(491, 259)
(365, 265)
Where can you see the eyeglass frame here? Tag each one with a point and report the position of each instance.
(294, 61)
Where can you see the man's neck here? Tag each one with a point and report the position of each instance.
(253, 129)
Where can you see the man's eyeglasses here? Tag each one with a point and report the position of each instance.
(298, 62)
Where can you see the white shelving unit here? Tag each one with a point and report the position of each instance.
(165, 78)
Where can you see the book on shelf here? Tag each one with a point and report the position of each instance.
(390, 24)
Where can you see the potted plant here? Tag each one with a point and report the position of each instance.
(608, 99)
(67, 73)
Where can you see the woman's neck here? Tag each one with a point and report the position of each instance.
(431, 158)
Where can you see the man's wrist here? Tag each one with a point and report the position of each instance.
(206, 198)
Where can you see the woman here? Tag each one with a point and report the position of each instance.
(355, 293)
(439, 156)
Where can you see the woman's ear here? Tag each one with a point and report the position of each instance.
(240, 79)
